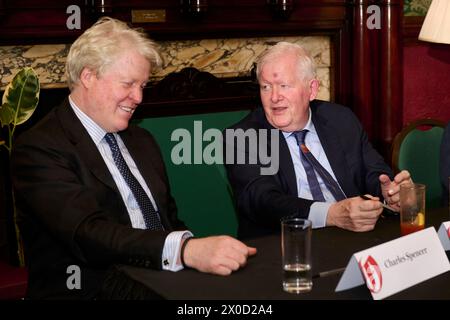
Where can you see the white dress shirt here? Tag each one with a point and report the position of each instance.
(172, 243)
(319, 210)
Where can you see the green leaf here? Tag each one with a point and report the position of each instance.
(20, 98)
(6, 115)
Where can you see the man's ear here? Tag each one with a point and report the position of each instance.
(314, 89)
(87, 77)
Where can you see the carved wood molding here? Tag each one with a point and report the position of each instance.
(189, 83)
(191, 91)
(281, 9)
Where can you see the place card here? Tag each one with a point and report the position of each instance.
(396, 265)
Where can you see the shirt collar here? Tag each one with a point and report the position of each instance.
(309, 126)
(95, 131)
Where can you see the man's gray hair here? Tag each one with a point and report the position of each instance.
(305, 64)
(98, 47)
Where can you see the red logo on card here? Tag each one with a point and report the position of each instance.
(448, 232)
(372, 273)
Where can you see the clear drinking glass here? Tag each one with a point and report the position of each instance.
(296, 255)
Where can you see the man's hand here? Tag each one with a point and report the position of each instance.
(355, 214)
(218, 255)
(391, 189)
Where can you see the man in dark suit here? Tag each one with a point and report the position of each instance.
(334, 137)
(445, 164)
(93, 191)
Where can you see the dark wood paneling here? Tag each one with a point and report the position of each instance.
(2, 8)
(411, 29)
(362, 63)
(38, 21)
(391, 72)
(341, 55)
(194, 106)
(32, 22)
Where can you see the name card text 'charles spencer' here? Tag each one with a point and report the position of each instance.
(396, 265)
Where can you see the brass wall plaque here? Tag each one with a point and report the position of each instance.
(148, 16)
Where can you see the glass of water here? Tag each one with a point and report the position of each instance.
(296, 255)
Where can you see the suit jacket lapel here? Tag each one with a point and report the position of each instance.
(286, 169)
(287, 166)
(334, 151)
(87, 149)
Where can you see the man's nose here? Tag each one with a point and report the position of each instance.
(275, 95)
(136, 95)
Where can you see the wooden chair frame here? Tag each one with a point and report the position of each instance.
(404, 132)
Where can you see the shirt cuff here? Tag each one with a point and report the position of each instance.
(318, 213)
(171, 250)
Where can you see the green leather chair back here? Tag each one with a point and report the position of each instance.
(201, 191)
(417, 150)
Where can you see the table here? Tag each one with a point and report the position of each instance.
(261, 278)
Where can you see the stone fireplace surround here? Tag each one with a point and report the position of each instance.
(224, 58)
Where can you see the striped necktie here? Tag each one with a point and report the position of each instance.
(310, 164)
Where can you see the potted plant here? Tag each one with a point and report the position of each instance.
(19, 101)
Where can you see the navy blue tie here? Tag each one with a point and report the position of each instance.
(310, 164)
(148, 211)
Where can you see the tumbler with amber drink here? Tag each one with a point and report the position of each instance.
(412, 207)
